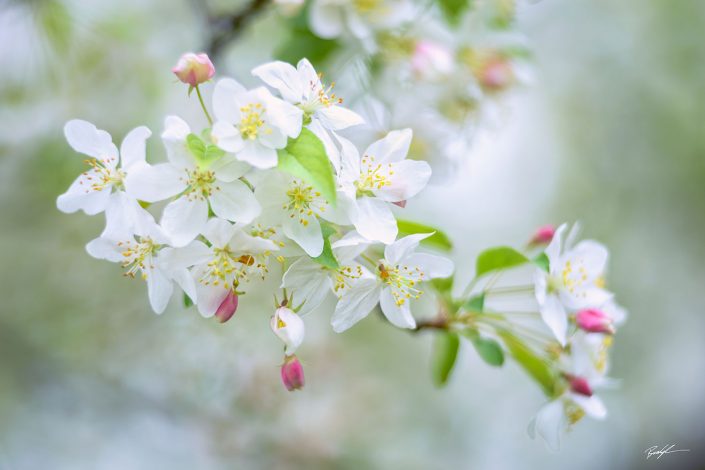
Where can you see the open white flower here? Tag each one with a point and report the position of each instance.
(253, 124)
(102, 187)
(310, 282)
(197, 181)
(573, 281)
(147, 255)
(302, 87)
(369, 185)
(297, 206)
(331, 18)
(232, 257)
(397, 281)
(289, 327)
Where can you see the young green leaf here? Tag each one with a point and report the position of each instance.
(453, 10)
(488, 349)
(305, 158)
(445, 352)
(438, 240)
(498, 258)
(187, 301)
(196, 146)
(327, 258)
(532, 364)
(541, 261)
(475, 304)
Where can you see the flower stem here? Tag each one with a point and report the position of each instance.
(203, 105)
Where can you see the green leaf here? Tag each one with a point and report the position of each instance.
(532, 364)
(443, 285)
(498, 258)
(475, 304)
(305, 158)
(445, 352)
(56, 21)
(488, 349)
(187, 301)
(541, 261)
(212, 153)
(327, 258)
(453, 10)
(196, 146)
(438, 240)
(303, 43)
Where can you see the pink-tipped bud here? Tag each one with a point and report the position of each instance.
(194, 69)
(496, 74)
(227, 307)
(543, 235)
(594, 321)
(580, 385)
(431, 60)
(401, 204)
(292, 373)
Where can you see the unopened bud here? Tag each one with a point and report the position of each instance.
(496, 74)
(194, 69)
(289, 327)
(594, 321)
(227, 307)
(292, 373)
(543, 235)
(431, 60)
(401, 204)
(580, 385)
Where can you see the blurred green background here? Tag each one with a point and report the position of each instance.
(611, 132)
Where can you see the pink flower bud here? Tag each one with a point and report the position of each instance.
(431, 60)
(227, 307)
(594, 321)
(496, 74)
(292, 373)
(543, 235)
(194, 69)
(401, 204)
(580, 385)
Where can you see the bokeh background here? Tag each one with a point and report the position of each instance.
(611, 132)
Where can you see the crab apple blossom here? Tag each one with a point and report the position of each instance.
(194, 69)
(381, 177)
(398, 279)
(431, 60)
(289, 327)
(197, 181)
(302, 86)
(573, 280)
(252, 124)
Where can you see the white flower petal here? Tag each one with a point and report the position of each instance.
(152, 183)
(326, 20)
(409, 178)
(549, 424)
(309, 282)
(225, 100)
(159, 288)
(553, 250)
(283, 77)
(190, 255)
(403, 247)
(184, 279)
(431, 265)
(249, 244)
(309, 236)
(103, 248)
(174, 137)
(392, 148)
(593, 255)
(219, 232)
(398, 315)
(289, 327)
(337, 117)
(282, 115)
(184, 219)
(258, 155)
(235, 201)
(593, 406)
(227, 137)
(331, 150)
(81, 196)
(134, 146)
(554, 315)
(228, 168)
(356, 304)
(85, 138)
(374, 220)
(209, 296)
(125, 217)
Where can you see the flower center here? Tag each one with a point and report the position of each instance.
(366, 6)
(137, 256)
(343, 277)
(229, 268)
(104, 175)
(573, 412)
(373, 176)
(251, 120)
(302, 202)
(573, 278)
(201, 184)
(402, 280)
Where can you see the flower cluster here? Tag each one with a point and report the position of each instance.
(273, 187)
